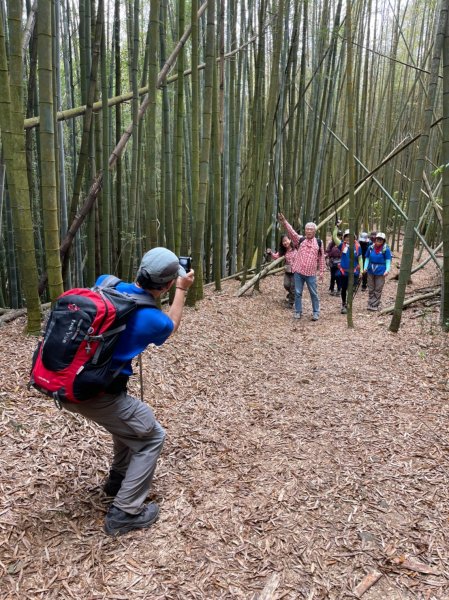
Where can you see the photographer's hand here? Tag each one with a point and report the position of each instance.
(186, 282)
(183, 284)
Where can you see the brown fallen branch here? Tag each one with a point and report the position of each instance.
(411, 300)
(12, 314)
(249, 284)
(239, 276)
(366, 583)
(413, 564)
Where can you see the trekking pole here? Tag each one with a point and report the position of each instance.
(141, 376)
(359, 281)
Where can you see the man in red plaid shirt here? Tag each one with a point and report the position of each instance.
(308, 261)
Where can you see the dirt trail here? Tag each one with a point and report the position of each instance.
(300, 457)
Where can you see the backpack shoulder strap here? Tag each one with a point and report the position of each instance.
(141, 300)
(109, 281)
(144, 300)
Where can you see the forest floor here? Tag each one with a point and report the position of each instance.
(302, 460)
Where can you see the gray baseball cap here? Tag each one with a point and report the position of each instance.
(160, 265)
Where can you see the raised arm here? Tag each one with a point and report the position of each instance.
(292, 234)
(337, 240)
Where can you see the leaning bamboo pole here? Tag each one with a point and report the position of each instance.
(118, 150)
(116, 154)
(370, 174)
(252, 282)
(78, 111)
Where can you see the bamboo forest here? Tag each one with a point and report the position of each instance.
(224, 299)
(128, 125)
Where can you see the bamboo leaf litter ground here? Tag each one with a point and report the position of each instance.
(302, 460)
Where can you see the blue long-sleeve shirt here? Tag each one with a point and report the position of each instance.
(145, 326)
(378, 263)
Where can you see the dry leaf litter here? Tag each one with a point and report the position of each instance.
(303, 461)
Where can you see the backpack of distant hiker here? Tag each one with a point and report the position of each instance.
(318, 240)
(72, 362)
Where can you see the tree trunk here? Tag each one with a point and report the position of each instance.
(11, 125)
(47, 144)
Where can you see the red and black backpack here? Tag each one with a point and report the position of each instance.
(72, 361)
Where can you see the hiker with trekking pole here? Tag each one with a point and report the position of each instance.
(84, 363)
(343, 246)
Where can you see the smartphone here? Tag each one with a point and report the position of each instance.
(186, 263)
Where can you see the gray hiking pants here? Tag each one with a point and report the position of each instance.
(137, 437)
(375, 286)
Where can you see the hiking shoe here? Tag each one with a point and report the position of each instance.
(373, 308)
(288, 304)
(315, 317)
(118, 521)
(113, 483)
(297, 315)
(344, 310)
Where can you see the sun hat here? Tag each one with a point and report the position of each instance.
(363, 237)
(347, 232)
(160, 265)
(381, 235)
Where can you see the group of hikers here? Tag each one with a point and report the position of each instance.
(305, 257)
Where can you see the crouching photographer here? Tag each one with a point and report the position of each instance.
(136, 434)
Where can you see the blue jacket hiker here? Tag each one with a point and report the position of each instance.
(377, 266)
(343, 245)
(137, 436)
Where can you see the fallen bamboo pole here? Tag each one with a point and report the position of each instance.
(409, 301)
(249, 284)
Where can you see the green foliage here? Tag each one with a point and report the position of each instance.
(439, 170)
